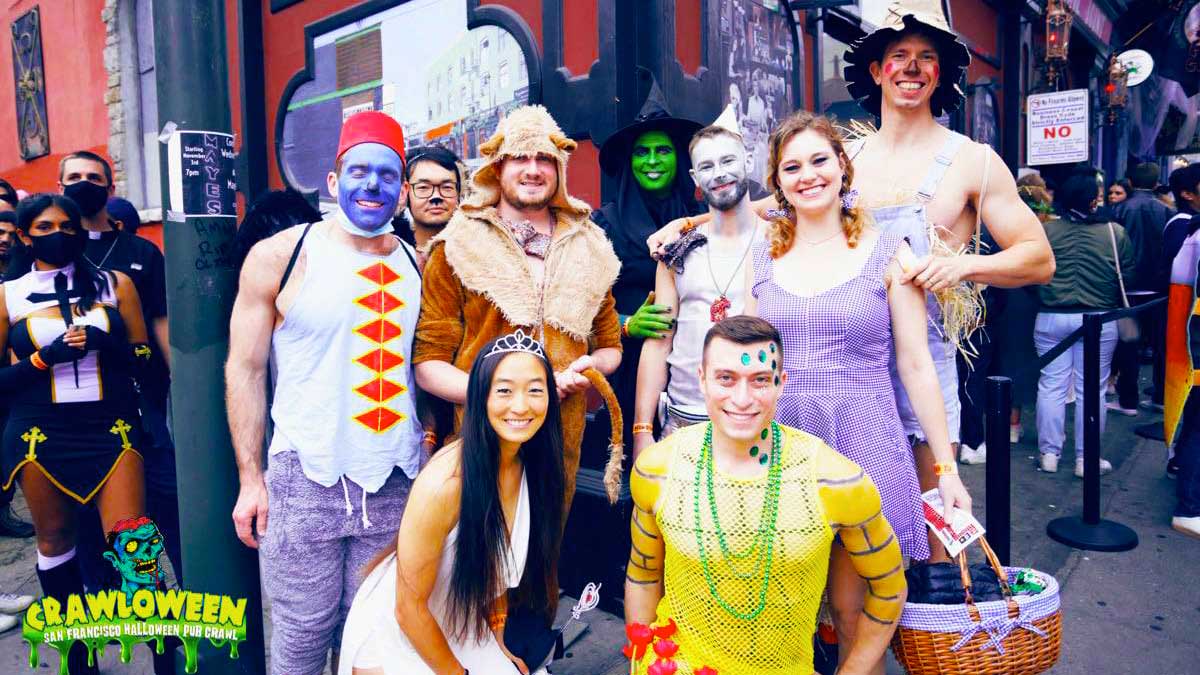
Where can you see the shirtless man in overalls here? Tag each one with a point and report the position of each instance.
(914, 172)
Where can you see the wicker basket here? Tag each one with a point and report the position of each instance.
(1019, 635)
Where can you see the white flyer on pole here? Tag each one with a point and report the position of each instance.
(1057, 127)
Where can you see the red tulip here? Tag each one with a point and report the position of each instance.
(628, 651)
(665, 648)
(662, 667)
(705, 671)
(667, 630)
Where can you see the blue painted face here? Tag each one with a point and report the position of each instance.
(370, 185)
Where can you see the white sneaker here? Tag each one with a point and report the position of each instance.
(969, 455)
(1048, 462)
(1015, 431)
(8, 623)
(14, 604)
(1105, 467)
(1116, 407)
(1189, 526)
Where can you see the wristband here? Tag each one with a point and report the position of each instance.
(643, 428)
(691, 225)
(36, 359)
(945, 469)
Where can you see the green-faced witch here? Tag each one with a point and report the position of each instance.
(647, 162)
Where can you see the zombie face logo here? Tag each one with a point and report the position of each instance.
(134, 546)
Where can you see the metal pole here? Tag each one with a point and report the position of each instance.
(1091, 532)
(193, 92)
(1010, 55)
(998, 472)
(1091, 419)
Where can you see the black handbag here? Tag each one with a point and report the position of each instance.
(941, 583)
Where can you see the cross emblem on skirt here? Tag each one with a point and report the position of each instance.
(33, 437)
(122, 429)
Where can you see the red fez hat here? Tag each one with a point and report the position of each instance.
(371, 126)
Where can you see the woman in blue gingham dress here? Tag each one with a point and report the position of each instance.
(837, 345)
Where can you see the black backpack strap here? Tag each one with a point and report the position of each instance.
(287, 272)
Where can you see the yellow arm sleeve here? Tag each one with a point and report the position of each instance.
(855, 513)
(645, 483)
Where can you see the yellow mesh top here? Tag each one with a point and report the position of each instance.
(779, 639)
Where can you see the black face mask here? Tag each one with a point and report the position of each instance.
(89, 196)
(58, 249)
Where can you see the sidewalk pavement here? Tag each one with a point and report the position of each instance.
(1131, 612)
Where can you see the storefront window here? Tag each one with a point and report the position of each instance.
(416, 62)
(758, 49)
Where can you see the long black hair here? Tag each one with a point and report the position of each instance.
(482, 532)
(89, 281)
(272, 212)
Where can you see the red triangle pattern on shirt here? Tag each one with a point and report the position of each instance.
(380, 390)
(381, 360)
(380, 330)
(379, 419)
(378, 274)
(380, 302)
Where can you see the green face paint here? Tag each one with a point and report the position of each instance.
(654, 162)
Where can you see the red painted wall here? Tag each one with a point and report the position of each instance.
(581, 45)
(687, 35)
(978, 23)
(75, 84)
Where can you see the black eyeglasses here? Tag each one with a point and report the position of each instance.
(425, 190)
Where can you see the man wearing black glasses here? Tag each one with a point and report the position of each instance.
(435, 185)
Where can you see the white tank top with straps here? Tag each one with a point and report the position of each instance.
(342, 358)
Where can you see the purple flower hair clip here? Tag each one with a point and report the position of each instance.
(778, 213)
(849, 199)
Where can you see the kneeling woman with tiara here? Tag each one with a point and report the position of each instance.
(482, 516)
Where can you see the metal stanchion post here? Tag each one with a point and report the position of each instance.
(998, 507)
(1091, 532)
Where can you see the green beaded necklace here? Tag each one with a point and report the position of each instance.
(764, 540)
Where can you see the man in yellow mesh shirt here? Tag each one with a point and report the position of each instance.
(733, 522)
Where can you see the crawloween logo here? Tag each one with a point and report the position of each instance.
(142, 610)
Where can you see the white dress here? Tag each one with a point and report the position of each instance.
(373, 639)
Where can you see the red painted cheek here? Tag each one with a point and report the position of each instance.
(889, 68)
(937, 71)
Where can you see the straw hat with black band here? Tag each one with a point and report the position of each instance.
(920, 16)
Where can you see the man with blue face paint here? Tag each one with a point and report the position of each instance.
(333, 306)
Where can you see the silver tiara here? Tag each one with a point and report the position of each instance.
(517, 341)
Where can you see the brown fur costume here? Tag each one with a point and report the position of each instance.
(478, 286)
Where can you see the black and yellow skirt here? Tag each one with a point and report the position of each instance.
(76, 445)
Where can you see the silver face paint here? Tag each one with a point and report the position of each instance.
(720, 171)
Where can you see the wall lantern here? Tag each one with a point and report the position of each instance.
(1116, 91)
(1058, 37)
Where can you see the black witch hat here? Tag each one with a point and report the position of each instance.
(654, 117)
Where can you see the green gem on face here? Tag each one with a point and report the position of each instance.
(762, 356)
(764, 458)
(772, 347)
(754, 451)
(772, 364)
(763, 435)
(745, 359)
(776, 380)
(654, 162)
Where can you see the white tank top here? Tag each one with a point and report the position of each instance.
(697, 290)
(344, 399)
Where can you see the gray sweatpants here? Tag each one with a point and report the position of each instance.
(312, 557)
